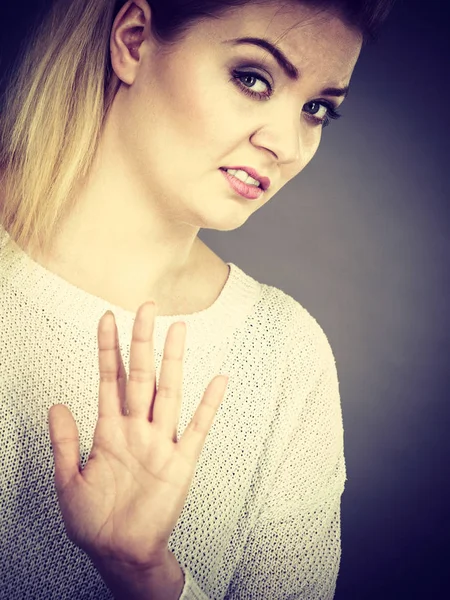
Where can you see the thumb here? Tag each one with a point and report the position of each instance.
(65, 444)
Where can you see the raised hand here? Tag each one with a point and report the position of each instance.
(124, 504)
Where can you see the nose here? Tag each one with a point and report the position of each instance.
(284, 142)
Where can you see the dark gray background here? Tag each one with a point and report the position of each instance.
(361, 239)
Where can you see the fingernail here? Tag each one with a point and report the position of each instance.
(105, 320)
(147, 310)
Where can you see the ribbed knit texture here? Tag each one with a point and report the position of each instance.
(262, 518)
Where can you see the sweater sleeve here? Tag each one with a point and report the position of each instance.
(293, 550)
(191, 590)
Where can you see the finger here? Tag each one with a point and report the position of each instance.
(167, 404)
(192, 441)
(112, 373)
(65, 445)
(141, 380)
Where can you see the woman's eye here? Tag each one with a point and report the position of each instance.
(318, 105)
(244, 80)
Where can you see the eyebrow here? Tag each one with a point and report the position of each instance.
(290, 70)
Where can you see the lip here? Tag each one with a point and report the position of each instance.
(264, 181)
(246, 190)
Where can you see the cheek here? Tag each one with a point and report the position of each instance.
(198, 106)
(309, 144)
(192, 111)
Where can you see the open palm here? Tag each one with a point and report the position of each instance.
(126, 501)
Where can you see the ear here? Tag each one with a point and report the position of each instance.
(131, 28)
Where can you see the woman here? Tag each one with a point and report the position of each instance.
(127, 128)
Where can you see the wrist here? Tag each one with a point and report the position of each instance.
(162, 582)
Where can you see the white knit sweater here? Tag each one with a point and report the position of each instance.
(262, 518)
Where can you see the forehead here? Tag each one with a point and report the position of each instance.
(313, 39)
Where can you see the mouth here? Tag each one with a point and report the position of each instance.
(264, 182)
(247, 190)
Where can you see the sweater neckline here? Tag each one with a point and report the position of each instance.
(54, 294)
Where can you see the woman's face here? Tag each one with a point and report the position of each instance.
(185, 114)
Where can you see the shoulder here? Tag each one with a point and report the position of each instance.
(301, 329)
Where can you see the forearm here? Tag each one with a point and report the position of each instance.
(162, 583)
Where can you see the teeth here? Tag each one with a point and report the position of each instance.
(243, 176)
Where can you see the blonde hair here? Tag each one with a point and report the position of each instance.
(52, 116)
